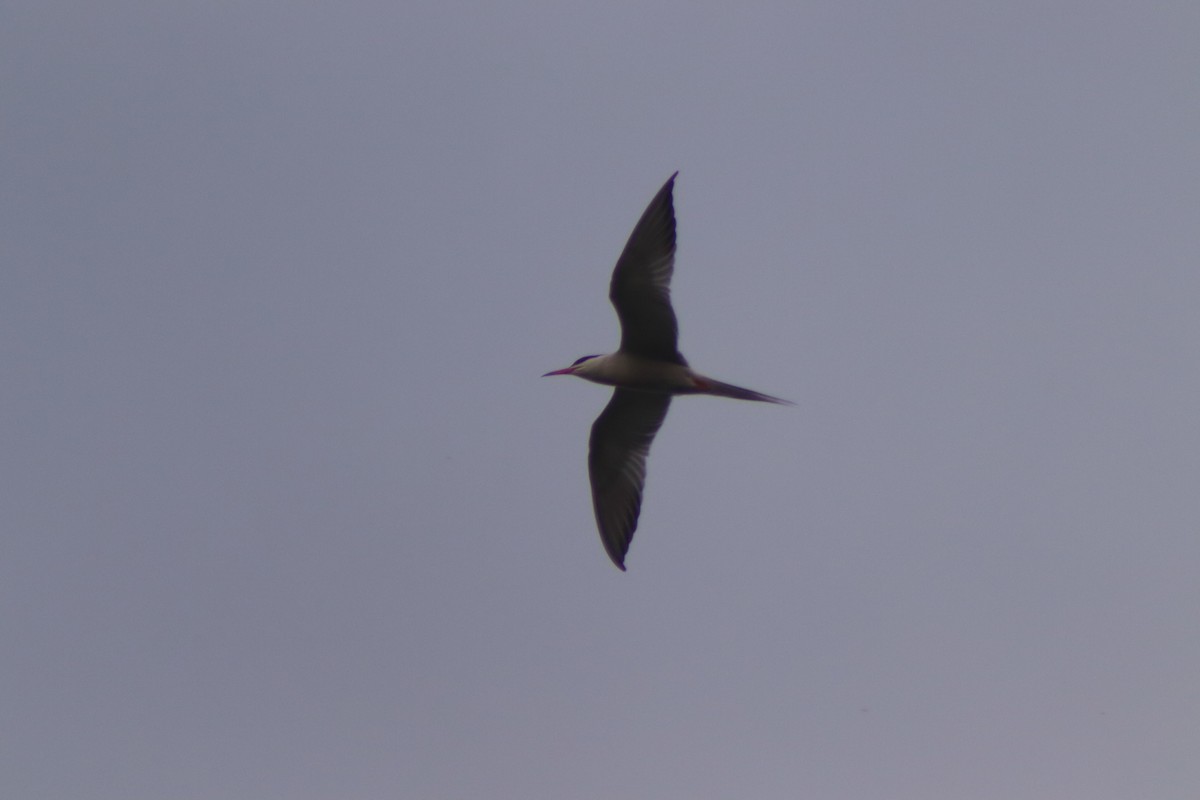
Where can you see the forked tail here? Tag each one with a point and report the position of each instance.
(710, 386)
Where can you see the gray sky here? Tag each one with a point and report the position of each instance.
(288, 512)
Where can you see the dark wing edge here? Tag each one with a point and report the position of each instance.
(620, 442)
(641, 282)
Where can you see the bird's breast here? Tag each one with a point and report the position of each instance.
(633, 372)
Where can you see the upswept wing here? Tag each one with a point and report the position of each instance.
(641, 283)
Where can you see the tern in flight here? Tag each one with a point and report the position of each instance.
(647, 371)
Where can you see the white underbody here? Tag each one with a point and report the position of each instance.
(634, 372)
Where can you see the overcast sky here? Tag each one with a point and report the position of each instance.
(288, 513)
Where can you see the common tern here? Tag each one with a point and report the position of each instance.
(647, 371)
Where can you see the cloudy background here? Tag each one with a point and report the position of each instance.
(288, 513)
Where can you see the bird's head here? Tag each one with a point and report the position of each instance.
(581, 365)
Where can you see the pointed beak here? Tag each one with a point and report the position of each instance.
(563, 371)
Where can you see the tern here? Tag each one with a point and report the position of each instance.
(647, 371)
